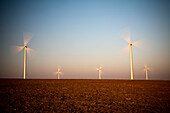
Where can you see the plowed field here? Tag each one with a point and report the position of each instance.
(36, 95)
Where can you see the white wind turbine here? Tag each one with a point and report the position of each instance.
(27, 38)
(58, 72)
(147, 69)
(100, 71)
(127, 39)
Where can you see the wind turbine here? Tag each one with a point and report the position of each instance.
(58, 72)
(27, 38)
(100, 71)
(131, 56)
(146, 69)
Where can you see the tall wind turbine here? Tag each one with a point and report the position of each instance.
(100, 71)
(146, 69)
(27, 38)
(131, 55)
(58, 72)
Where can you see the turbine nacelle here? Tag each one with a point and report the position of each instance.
(130, 44)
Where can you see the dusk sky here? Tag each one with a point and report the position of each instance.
(80, 35)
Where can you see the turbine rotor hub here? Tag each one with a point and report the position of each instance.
(25, 46)
(130, 44)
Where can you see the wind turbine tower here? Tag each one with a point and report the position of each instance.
(131, 61)
(146, 69)
(58, 73)
(100, 71)
(127, 39)
(25, 61)
(27, 38)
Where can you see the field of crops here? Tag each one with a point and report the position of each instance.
(84, 95)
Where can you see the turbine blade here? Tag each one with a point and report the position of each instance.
(124, 50)
(127, 48)
(101, 67)
(27, 37)
(145, 66)
(138, 44)
(125, 34)
(30, 51)
(127, 39)
(61, 73)
(58, 69)
(16, 49)
(149, 68)
(54, 73)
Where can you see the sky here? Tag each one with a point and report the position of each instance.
(80, 35)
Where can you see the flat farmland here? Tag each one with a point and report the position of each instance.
(77, 95)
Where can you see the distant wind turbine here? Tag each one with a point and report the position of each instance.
(100, 71)
(27, 38)
(146, 69)
(58, 72)
(131, 56)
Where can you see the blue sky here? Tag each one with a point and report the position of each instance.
(80, 35)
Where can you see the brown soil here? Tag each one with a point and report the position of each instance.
(84, 96)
